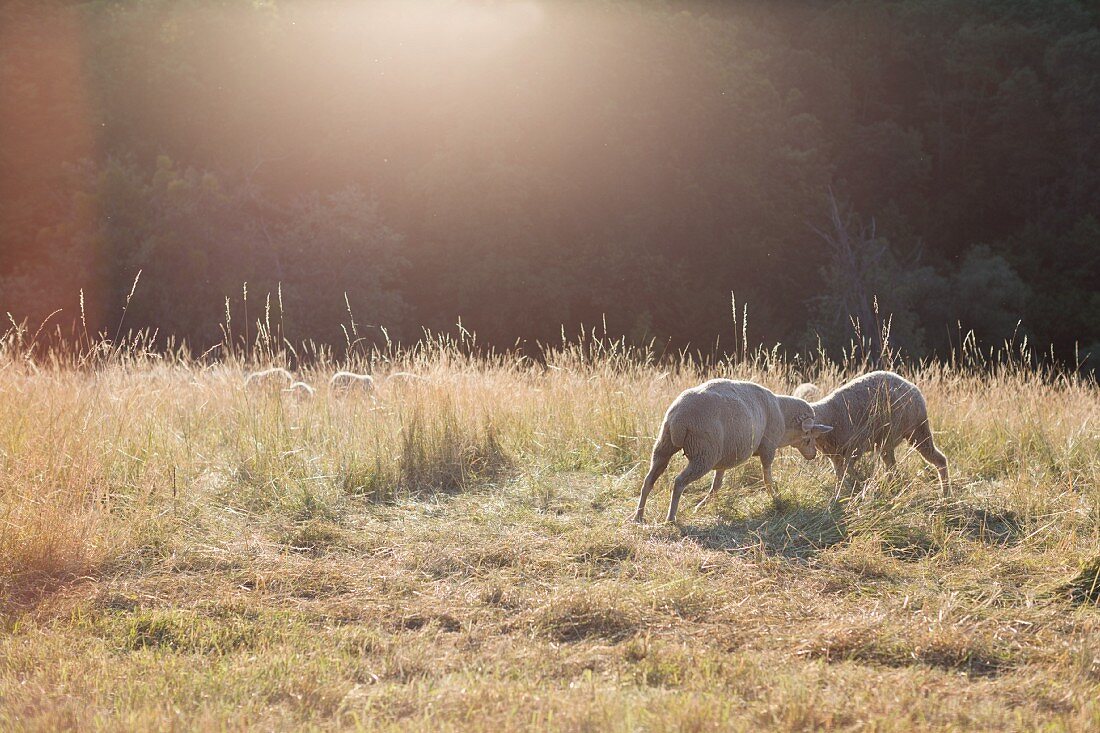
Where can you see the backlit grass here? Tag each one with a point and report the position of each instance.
(455, 553)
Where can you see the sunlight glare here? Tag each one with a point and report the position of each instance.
(446, 24)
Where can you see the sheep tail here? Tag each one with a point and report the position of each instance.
(666, 444)
(674, 435)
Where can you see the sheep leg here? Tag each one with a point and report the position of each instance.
(714, 486)
(840, 468)
(694, 470)
(766, 458)
(888, 459)
(921, 439)
(662, 454)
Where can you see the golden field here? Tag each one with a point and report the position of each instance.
(455, 553)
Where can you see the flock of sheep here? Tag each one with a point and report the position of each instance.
(341, 382)
(722, 423)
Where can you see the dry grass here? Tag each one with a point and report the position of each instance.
(454, 552)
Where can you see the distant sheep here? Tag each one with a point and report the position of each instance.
(807, 391)
(268, 378)
(721, 424)
(876, 411)
(406, 377)
(300, 390)
(344, 382)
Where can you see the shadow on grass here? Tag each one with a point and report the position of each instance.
(785, 528)
(21, 594)
(991, 527)
(951, 650)
(902, 529)
(1084, 588)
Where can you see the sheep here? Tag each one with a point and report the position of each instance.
(807, 391)
(343, 382)
(268, 378)
(405, 377)
(722, 423)
(876, 411)
(300, 390)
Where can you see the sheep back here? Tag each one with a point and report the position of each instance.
(345, 381)
(879, 408)
(807, 391)
(269, 377)
(725, 420)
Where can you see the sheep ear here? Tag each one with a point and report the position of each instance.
(819, 429)
(807, 425)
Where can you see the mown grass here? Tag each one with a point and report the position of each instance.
(455, 553)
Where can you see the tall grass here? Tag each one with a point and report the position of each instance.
(494, 493)
(100, 438)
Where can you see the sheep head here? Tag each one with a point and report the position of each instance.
(807, 442)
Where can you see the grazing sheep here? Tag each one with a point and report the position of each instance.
(300, 390)
(876, 411)
(406, 377)
(274, 377)
(343, 382)
(806, 391)
(722, 423)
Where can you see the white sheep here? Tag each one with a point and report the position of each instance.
(300, 390)
(807, 391)
(343, 382)
(876, 411)
(406, 378)
(722, 423)
(268, 378)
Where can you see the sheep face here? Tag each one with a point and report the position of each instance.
(807, 442)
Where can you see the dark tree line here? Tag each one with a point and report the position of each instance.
(526, 165)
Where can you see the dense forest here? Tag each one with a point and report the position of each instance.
(532, 164)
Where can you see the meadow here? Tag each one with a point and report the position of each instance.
(455, 552)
